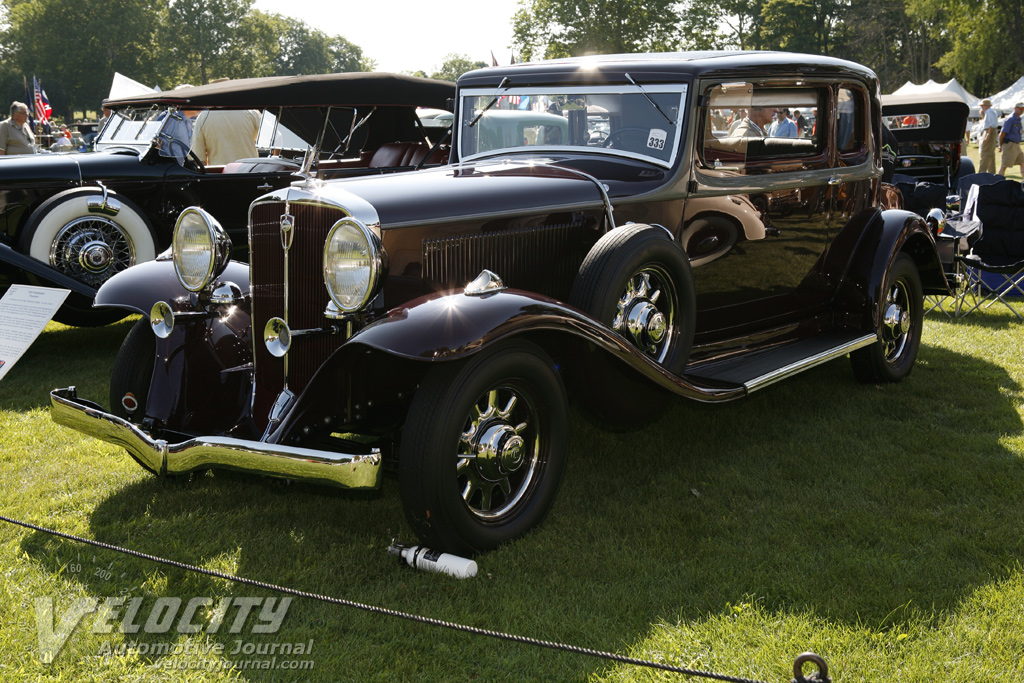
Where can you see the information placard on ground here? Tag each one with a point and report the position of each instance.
(24, 312)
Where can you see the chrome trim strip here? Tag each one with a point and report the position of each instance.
(352, 204)
(807, 363)
(347, 470)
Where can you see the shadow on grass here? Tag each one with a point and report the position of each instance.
(863, 504)
(60, 357)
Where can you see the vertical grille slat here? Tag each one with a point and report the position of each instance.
(543, 259)
(308, 296)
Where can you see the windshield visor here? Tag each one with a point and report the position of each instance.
(612, 119)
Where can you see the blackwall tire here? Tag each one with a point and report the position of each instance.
(506, 408)
(133, 373)
(88, 245)
(631, 276)
(901, 316)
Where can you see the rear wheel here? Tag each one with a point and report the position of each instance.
(483, 448)
(900, 317)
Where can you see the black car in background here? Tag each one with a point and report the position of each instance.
(74, 220)
(930, 130)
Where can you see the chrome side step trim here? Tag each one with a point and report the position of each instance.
(809, 362)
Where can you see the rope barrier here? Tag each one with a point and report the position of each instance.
(526, 640)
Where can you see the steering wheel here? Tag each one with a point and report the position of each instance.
(614, 135)
(196, 162)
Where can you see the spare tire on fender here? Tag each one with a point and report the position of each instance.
(89, 234)
(636, 280)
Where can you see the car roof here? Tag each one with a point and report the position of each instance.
(340, 89)
(948, 116)
(664, 67)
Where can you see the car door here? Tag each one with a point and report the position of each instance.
(756, 218)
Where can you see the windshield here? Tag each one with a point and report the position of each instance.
(616, 119)
(139, 128)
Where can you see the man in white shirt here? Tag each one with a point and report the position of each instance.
(987, 139)
(222, 136)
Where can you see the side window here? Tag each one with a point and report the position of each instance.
(850, 127)
(748, 128)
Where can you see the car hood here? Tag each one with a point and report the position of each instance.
(468, 191)
(74, 167)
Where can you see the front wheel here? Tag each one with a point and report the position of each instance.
(900, 316)
(133, 372)
(483, 448)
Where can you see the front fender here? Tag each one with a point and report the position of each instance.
(882, 237)
(143, 285)
(442, 327)
(379, 366)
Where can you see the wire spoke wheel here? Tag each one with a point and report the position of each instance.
(91, 249)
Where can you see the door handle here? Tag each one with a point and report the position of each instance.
(268, 186)
(834, 181)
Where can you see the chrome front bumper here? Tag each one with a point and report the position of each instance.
(346, 470)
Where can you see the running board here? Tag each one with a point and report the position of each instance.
(758, 370)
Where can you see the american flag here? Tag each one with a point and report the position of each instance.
(42, 105)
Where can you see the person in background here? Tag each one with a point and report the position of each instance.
(1009, 141)
(15, 134)
(222, 136)
(752, 125)
(783, 126)
(801, 123)
(987, 139)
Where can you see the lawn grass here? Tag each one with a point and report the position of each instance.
(880, 526)
(1012, 173)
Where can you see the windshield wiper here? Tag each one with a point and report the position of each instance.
(653, 103)
(503, 86)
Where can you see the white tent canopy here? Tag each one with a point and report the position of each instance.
(122, 87)
(951, 86)
(1005, 99)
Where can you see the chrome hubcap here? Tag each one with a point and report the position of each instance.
(498, 452)
(91, 249)
(896, 322)
(646, 312)
(95, 257)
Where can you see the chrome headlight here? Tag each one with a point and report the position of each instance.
(201, 248)
(354, 263)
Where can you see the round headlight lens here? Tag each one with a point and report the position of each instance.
(201, 248)
(352, 264)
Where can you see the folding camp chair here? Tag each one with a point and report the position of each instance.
(999, 251)
(981, 293)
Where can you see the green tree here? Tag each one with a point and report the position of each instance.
(208, 37)
(75, 47)
(545, 29)
(986, 53)
(454, 66)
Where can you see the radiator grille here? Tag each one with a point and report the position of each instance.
(541, 259)
(308, 296)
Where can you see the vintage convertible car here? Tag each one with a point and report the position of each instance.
(74, 220)
(930, 130)
(433, 323)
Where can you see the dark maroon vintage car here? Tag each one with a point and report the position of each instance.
(74, 220)
(616, 229)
